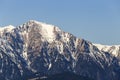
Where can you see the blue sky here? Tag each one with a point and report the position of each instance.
(95, 20)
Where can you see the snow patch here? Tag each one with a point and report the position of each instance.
(47, 32)
(50, 65)
(76, 43)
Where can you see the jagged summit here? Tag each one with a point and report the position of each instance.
(47, 31)
(41, 24)
(38, 22)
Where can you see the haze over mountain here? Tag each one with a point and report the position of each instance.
(35, 50)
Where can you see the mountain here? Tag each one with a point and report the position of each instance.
(113, 49)
(36, 49)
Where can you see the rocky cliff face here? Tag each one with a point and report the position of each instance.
(39, 49)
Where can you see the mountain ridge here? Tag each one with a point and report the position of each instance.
(33, 49)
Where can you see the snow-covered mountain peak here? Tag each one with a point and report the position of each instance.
(47, 31)
(40, 24)
(7, 28)
(113, 49)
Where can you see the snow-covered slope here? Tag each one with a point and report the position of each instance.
(7, 28)
(46, 30)
(36, 49)
(114, 49)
